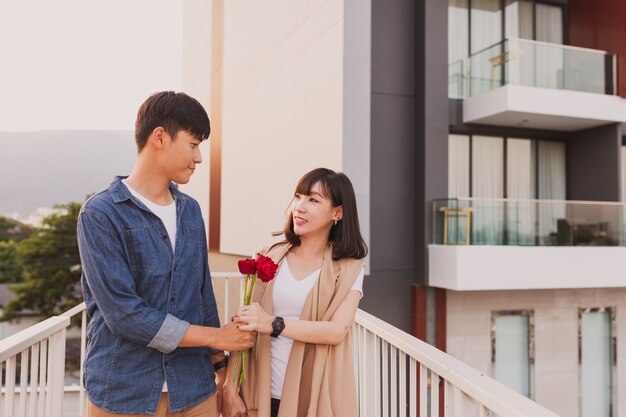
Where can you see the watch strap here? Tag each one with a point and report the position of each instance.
(277, 326)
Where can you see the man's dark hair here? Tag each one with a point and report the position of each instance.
(173, 112)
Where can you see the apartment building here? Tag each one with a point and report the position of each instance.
(485, 141)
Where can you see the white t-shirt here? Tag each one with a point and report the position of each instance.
(167, 214)
(288, 299)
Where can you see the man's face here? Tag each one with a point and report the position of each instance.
(181, 156)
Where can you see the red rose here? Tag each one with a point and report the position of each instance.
(247, 266)
(266, 268)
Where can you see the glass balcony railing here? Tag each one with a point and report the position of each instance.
(534, 64)
(476, 221)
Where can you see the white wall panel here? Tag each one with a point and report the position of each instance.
(282, 110)
(197, 83)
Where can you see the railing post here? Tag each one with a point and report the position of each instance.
(23, 381)
(83, 348)
(9, 393)
(56, 374)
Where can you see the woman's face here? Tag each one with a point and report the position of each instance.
(313, 213)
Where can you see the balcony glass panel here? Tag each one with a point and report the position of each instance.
(538, 64)
(482, 221)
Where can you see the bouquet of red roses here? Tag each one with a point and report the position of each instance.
(264, 269)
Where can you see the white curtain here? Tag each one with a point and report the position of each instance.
(488, 182)
(512, 359)
(595, 364)
(486, 31)
(458, 48)
(623, 229)
(549, 23)
(624, 173)
(486, 23)
(550, 60)
(518, 16)
(552, 186)
(520, 60)
(520, 185)
(458, 186)
(458, 166)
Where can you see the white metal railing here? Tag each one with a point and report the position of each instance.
(394, 370)
(399, 375)
(39, 354)
(41, 351)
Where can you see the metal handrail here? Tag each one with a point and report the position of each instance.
(483, 389)
(534, 200)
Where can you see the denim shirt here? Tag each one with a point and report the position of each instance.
(141, 299)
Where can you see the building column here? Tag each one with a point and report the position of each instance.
(594, 164)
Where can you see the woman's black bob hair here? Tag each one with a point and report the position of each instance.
(346, 236)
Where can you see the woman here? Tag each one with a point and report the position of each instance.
(302, 363)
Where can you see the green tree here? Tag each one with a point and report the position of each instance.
(50, 266)
(13, 230)
(10, 265)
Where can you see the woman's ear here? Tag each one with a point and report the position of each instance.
(338, 213)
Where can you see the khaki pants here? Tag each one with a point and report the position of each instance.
(207, 408)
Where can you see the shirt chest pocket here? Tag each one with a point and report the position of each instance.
(149, 250)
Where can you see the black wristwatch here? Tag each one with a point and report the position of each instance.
(220, 364)
(277, 326)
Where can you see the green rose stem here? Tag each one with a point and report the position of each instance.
(248, 287)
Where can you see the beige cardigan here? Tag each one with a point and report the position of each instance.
(319, 380)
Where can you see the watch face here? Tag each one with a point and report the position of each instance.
(277, 326)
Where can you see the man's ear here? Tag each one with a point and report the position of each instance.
(157, 137)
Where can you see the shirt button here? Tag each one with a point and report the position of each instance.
(172, 300)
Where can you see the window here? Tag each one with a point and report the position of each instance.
(624, 173)
(486, 23)
(474, 25)
(458, 166)
(534, 169)
(458, 46)
(495, 168)
(512, 349)
(597, 360)
(519, 19)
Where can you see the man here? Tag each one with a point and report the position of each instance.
(154, 334)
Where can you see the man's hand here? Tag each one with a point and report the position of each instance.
(233, 405)
(220, 378)
(228, 337)
(232, 339)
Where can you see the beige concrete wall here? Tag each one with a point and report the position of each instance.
(197, 83)
(282, 110)
(555, 376)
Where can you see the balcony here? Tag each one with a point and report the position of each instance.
(396, 374)
(539, 64)
(507, 244)
(530, 84)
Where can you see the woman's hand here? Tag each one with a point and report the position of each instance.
(232, 404)
(254, 318)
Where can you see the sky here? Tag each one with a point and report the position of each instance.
(85, 64)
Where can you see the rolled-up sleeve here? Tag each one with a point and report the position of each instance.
(107, 273)
(169, 335)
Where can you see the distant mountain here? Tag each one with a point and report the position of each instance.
(40, 169)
